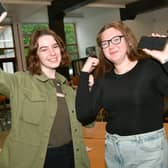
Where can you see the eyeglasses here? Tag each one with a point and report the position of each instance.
(114, 40)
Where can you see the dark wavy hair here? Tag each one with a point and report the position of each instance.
(133, 53)
(33, 61)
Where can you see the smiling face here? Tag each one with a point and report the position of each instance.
(116, 47)
(49, 53)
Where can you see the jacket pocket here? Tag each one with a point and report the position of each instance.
(34, 105)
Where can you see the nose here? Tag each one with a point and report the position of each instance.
(52, 51)
(111, 45)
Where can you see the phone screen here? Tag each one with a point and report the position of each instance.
(153, 43)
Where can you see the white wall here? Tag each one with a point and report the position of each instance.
(93, 19)
(88, 26)
(159, 18)
(90, 20)
(146, 23)
(140, 27)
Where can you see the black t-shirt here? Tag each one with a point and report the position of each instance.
(133, 101)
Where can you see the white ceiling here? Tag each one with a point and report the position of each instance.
(22, 10)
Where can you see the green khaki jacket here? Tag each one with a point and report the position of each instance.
(33, 104)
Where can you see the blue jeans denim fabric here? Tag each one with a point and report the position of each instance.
(148, 150)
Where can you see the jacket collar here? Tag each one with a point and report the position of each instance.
(44, 78)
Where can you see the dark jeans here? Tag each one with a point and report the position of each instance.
(60, 157)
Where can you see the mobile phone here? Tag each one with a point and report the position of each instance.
(152, 43)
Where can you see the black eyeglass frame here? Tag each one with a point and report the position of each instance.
(112, 40)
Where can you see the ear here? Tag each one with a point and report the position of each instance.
(129, 44)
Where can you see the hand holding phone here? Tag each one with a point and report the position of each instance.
(156, 47)
(152, 43)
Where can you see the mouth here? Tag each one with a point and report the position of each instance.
(113, 52)
(53, 60)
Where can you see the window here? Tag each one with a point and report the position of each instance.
(7, 49)
(27, 30)
(71, 40)
(70, 37)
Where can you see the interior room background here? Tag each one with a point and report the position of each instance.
(87, 23)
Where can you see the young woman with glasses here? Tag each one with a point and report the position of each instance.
(130, 85)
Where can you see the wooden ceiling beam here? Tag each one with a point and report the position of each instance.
(141, 6)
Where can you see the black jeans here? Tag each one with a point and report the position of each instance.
(60, 157)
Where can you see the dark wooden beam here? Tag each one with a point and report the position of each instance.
(141, 6)
(56, 13)
(58, 6)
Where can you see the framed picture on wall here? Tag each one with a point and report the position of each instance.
(91, 51)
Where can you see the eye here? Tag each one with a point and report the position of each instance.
(55, 46)
(43, 49)
(116, 39)
(104, 43)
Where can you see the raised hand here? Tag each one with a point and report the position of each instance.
(161, 56)
(90, 64)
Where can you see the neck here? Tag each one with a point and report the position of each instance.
(50, 73)
(125, 67)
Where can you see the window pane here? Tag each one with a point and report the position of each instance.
(26, 52)
(70, 35)
(7, 53)
(8, 67)
(26, 40)
(6, 37)
(73, 56)
(28, 29)
(73, 51)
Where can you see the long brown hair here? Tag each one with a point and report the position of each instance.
(132, 52)
(33, 61)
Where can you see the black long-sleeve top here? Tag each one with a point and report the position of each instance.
(133, 101)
